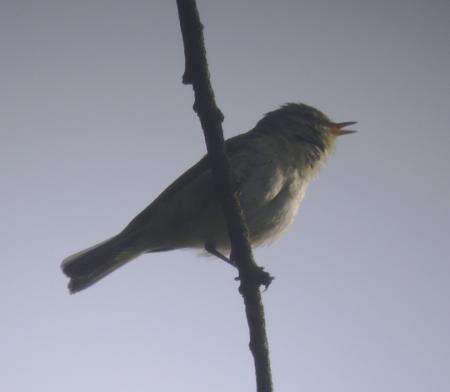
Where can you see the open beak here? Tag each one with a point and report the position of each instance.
(337, 128)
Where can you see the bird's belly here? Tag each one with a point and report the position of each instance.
(268, 221)
(268, 211)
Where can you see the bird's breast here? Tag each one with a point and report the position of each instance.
(270, 219)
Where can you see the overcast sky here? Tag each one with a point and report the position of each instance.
(95, 123)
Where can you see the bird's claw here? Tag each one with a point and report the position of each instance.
(258, 276)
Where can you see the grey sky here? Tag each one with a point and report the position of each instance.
(95, 122)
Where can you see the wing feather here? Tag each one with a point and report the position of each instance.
(199, 173)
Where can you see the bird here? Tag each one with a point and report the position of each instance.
(273, 164)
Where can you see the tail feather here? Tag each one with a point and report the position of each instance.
(90, 265)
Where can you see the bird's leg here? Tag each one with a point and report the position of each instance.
(210, 248)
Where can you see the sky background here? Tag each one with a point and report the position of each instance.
(95, 123)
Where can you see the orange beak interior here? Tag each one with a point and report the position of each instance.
(338, 128)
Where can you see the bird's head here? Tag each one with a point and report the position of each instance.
(305, 123)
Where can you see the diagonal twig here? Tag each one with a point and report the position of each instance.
(250, 274)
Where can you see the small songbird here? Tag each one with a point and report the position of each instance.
(273, 164)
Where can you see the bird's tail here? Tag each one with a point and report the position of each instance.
(90, 265)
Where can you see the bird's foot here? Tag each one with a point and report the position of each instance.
(256, 276)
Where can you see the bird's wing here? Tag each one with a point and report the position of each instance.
(198, 176)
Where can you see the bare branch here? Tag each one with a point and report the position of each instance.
(250, 274)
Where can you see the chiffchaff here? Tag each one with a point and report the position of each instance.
(273, 164)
